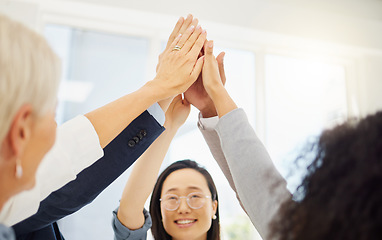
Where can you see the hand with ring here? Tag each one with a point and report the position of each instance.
(179, 64)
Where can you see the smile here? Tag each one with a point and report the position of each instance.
(185, 222)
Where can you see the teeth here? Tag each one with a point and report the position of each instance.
(184, 221)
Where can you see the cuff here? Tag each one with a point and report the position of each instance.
(122, 232)
(207, 123)
(156, 111)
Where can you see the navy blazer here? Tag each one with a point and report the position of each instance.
(119, 155)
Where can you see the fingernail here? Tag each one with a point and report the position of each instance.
(204, 31)
(192, 27)
(179, 35)
(189, 15)
(211, 44)
(198, 27)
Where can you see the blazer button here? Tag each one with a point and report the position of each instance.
(136, 139)
(131, 143)
(139, 135)
(143, 132)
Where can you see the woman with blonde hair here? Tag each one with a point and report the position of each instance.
(29, 79)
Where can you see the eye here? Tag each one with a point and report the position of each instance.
(196, 195)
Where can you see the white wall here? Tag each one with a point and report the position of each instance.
(344, 29)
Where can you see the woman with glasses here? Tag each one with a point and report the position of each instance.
(184, 202)
(29, 80)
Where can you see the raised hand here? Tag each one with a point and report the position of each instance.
(213, 81)
(181, 26)
(179, 65)
(177, 113)
(197, 95)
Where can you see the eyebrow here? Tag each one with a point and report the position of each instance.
(191, 188)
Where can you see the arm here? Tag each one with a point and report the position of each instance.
(94, 179)
(175, 74)
(130, 215)
(146, 169)
(102, 125)
(248, 167)
(243, 158)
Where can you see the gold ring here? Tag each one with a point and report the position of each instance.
(176, 48)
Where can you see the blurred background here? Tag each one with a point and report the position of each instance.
(296, 67)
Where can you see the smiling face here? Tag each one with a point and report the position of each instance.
(185, 222)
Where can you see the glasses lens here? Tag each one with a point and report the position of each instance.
(196, 200)
(170, 201)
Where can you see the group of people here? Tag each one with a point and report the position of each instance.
(48, 172)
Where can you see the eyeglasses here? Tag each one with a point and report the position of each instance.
(195, 200)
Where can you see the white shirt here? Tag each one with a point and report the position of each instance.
(76, 148)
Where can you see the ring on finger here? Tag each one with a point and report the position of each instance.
(177, 48)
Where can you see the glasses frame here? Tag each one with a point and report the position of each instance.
(187, 200)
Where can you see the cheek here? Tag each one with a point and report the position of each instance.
(166, 220)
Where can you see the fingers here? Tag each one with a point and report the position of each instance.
(197, 68)
(186, 36)
(175, 31)
(187, 23)
(192, 39)
(209, 52)
(174, 43)
(198, 45)
(177, 99)
(220, 61)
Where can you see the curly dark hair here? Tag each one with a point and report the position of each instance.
(341, 195)
(157, 228)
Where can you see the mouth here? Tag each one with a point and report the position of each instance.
(185, 222)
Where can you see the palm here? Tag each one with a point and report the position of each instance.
(197, 95)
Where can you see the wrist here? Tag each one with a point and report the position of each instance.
(156, 89)
(171, 129)
(209, 111)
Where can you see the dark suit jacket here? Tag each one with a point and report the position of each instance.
(119, 155)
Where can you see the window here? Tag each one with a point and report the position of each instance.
(303, 97)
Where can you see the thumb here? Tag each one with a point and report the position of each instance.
(209, 49)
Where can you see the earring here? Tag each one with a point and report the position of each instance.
(214, 217)
(19, 169)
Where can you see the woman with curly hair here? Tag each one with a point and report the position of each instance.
(340, 197)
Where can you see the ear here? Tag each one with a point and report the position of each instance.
(214, 207)
(20, 130)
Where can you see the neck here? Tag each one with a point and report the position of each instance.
(7, 187)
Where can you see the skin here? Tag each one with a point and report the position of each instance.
(29, 138)
(213, 71)
(182, 182)
(175, 74)
(130, 212)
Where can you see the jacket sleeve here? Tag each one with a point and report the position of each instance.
(119, 155)
(248, 168)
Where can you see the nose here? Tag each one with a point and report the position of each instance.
(183, 205)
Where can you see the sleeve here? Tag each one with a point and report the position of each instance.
(6, 233)
(120, 154)
(156, 111)
(123, 233)
(207, 127)
(77, 147)
(258, 185)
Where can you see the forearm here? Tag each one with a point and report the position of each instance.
(145, 172)
(222, 100)
(111, 119)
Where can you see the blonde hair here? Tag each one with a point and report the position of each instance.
(29, 72)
